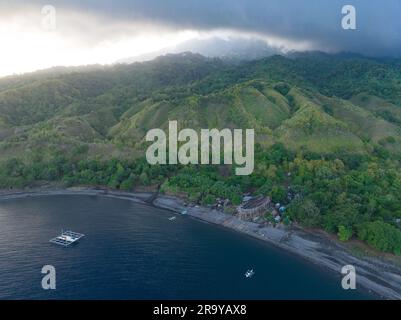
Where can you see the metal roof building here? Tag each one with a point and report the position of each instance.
(253, 208)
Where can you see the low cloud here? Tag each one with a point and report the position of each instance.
(317, 22)
(99, 31)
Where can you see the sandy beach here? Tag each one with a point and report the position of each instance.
(379, 276)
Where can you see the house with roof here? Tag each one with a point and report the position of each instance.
(253, 208)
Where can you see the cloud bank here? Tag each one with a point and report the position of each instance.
(317, 22)
(100, 31)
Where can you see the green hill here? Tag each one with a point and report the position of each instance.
(301, 101)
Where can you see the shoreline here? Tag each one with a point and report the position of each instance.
(382, 278)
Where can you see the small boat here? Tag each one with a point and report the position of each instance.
(172, 218)
(184, 212)
(249, 273)
(67, 238)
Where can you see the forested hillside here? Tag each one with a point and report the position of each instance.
(328, 131)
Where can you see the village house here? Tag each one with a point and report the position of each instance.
(253, 208)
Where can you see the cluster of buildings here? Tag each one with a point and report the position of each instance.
(253, 208)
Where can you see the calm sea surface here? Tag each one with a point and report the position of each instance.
(132, 251)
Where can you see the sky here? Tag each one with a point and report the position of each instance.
(41, 34)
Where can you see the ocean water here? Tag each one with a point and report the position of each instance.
(133, 251)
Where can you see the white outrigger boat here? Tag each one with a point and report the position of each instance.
(67, 238)
(249, 273)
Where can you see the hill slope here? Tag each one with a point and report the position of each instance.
(314, 102)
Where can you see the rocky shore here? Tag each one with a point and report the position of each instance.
(381, 277)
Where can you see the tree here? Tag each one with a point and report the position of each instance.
(305, 211)
(344, 233)
(144, 179)
(208, 200)
(14, 167)
(381, 236)
(278, 194)
(128, 183)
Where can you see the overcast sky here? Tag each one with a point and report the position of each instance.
(99, 31)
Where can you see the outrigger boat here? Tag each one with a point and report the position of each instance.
(67, 238)
(249, 273)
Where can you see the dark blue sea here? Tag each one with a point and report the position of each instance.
(133, 251)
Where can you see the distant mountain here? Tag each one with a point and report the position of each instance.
(232, 49)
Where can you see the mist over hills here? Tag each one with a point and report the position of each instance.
(233, 49)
